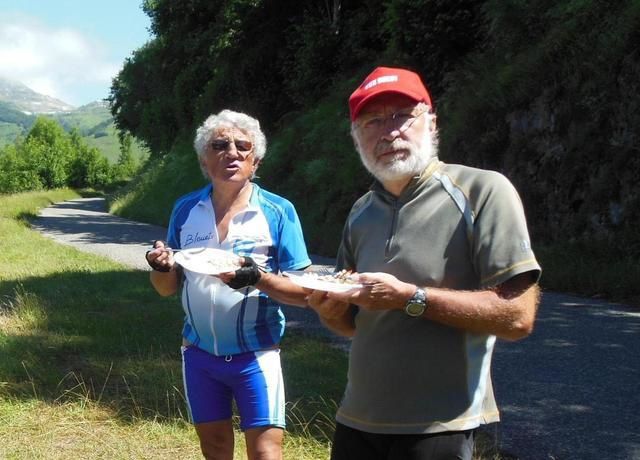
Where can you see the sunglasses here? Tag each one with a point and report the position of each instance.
(223, 144)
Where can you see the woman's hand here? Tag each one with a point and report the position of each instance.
(247, 275)
(160, 258)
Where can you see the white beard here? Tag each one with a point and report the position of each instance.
(403, 165)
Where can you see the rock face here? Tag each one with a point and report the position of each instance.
(28, 101)
(573, 152)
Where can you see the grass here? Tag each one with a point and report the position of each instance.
(592, 270)
(91, 367)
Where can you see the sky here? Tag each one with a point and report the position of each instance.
(69, 49)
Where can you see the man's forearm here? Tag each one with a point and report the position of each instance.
(510, 317)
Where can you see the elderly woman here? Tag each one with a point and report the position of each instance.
(232, 326)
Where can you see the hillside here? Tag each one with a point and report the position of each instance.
(13, 122)
(20, 105)
(95, 124)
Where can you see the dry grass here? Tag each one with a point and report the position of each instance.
(38, 430)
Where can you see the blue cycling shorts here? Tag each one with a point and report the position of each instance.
(253, 379)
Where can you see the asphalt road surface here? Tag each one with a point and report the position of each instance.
(568, 391)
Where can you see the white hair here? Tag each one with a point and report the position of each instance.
(231, 119)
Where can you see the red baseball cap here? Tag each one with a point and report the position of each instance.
(387, 80)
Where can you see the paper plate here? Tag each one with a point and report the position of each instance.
(208, 261)
(320, 281)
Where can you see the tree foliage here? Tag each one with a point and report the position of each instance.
(276, 60)
(48, 157)
(543, 91)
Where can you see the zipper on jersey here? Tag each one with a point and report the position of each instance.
(392, 229)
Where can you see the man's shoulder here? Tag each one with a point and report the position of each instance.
(470, 172)
(361, 205)
(471, 178)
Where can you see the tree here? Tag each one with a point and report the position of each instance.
(15, 174)
(48, 150)
(127, 165)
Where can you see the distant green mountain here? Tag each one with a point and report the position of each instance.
(93, 121)
(95, 124)
(13, 122)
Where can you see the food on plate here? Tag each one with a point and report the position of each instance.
(222, 264)
(208, 261)
(341, 277)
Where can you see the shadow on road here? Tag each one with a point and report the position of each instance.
(569, 391)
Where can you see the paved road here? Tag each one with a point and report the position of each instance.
(569, 391)
(84, 224)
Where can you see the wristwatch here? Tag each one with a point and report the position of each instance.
(417, 304)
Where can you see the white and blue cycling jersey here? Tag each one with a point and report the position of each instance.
(219, 319)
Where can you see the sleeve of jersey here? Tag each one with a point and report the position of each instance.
(173, 231)
(501, 244)
(292, 251)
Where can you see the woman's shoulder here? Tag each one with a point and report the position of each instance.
(192, 198)
(265, 197)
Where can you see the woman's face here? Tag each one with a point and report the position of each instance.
(229, 156)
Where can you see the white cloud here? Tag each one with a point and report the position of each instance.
(54, 61)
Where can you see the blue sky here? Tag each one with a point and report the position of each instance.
(69, 49)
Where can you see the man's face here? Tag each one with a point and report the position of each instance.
(394, 137)
(229, 156)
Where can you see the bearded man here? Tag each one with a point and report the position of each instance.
(443, 255)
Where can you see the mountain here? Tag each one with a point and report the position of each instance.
(93, 121)
(28, 101)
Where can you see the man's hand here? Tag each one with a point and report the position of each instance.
(336, 315)
(380, 291)
(326, 307)
(159, 258)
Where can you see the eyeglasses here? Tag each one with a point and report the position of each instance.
(399, 121)
(223, 144)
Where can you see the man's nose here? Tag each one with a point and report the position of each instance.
(390, 130)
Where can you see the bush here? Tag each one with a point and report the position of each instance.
(16, 175)
(50, 158)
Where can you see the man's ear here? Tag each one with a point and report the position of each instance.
(256, 163)
(432, 124)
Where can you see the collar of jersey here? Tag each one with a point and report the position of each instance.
(205, 196)
(414, 185)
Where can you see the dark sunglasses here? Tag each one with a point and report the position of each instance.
(223, 144)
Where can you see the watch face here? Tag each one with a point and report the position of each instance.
(415, 308)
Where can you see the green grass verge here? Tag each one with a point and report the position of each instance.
(593, 270)
(91, 358)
